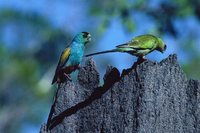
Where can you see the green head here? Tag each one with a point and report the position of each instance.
(161, 46)
(83, 37)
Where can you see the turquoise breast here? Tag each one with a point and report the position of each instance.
(76, 54)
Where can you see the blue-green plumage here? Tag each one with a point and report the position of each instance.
(76, 54)
(72, 56)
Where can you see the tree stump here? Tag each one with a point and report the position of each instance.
(148, 98)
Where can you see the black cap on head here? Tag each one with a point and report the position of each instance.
(85, 34)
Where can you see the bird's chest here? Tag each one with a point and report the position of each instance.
(76, 56)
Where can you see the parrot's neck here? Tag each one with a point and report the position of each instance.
(77, 39)
(78, 46)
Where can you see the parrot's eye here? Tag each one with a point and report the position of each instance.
(86, 37)
(165, 47)
(85, 34)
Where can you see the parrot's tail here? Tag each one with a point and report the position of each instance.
(54, 78)
(103, 52)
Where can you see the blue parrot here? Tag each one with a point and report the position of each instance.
(71, 57)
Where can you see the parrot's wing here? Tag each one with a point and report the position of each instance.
(63, 59)
(140, 43)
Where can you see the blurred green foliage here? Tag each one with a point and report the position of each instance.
(23, 66)
(30, 45)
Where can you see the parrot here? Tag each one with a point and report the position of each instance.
(139, 46)
(71, 57)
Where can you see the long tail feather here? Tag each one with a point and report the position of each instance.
(103, 52)
(125, 45)
(56, 75)
(54, 78)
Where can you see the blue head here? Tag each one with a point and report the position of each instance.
(83, 37)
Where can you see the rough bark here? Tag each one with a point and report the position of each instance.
(148, 98)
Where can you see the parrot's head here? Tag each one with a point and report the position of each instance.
(83, 37)
(161, 46)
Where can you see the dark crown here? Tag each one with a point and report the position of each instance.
(85, 34)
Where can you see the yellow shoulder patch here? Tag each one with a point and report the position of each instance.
(65, 55)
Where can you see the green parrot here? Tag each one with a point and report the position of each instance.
(71, 57)
(138, 46)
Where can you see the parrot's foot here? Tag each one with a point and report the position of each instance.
(140, 60)
(68, 77)
(78, 67)
(58, 80)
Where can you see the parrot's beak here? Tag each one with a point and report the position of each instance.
(89, 38)
(162, 50)
(165, 47)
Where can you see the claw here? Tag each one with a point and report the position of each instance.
(68, 76)
(58, 80)
(78, 67)
(141, 59)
